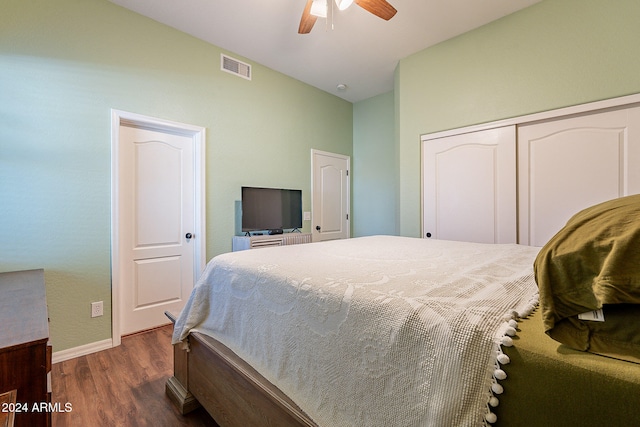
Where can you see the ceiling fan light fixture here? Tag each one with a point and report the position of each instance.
(314, 9)
(319, 8)
(343, 4)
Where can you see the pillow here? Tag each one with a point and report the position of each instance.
(594, 263)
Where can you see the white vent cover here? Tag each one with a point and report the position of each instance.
(233, 66)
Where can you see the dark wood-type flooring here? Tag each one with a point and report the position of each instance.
(121, 386)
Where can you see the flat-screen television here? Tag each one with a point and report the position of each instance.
(271, 209)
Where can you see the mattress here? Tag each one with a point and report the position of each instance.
(370, 331)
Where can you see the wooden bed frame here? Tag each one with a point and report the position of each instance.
(232, 392)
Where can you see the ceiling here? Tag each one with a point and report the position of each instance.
(355, 48)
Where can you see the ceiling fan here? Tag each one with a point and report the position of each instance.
(318, 8)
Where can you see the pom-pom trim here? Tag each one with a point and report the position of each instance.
(505, 339)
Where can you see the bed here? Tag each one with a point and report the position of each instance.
(382, 330)
(369, 331)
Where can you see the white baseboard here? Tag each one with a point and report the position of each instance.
(83, 350)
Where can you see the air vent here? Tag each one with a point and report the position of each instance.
(233, 66)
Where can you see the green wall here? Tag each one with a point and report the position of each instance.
(374, 167)
(554, 54)
(64, 65)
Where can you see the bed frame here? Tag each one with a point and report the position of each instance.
(548, 384)
(231, 391)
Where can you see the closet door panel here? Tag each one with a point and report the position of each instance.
(568, 164)
(469, 187)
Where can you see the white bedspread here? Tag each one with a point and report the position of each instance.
(371, 331)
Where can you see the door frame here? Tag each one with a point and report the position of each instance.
(314, 234)
(198, 138)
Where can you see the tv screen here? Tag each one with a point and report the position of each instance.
(271, 209)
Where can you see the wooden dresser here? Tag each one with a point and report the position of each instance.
(25, 357)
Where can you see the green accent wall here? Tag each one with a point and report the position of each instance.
(64, 65)
(553, 54)
(374, 167)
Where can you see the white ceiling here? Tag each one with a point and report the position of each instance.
(360, 51)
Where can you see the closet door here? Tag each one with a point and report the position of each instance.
(469, 187)
(568, 164)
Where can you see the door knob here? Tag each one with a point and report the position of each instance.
(188, 236)
(318, 227)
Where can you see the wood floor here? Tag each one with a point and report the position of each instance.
(122, 386)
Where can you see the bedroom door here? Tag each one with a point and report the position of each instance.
(330, 196)
(159, 223)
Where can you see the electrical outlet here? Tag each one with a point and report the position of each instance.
(96, 309)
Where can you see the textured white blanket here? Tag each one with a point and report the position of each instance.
(371, 331)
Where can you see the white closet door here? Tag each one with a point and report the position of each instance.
(568, 164)
(469, 188)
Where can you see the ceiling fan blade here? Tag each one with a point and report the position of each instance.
(307, 20)
(380, 8)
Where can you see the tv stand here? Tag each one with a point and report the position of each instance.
(241, 243)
